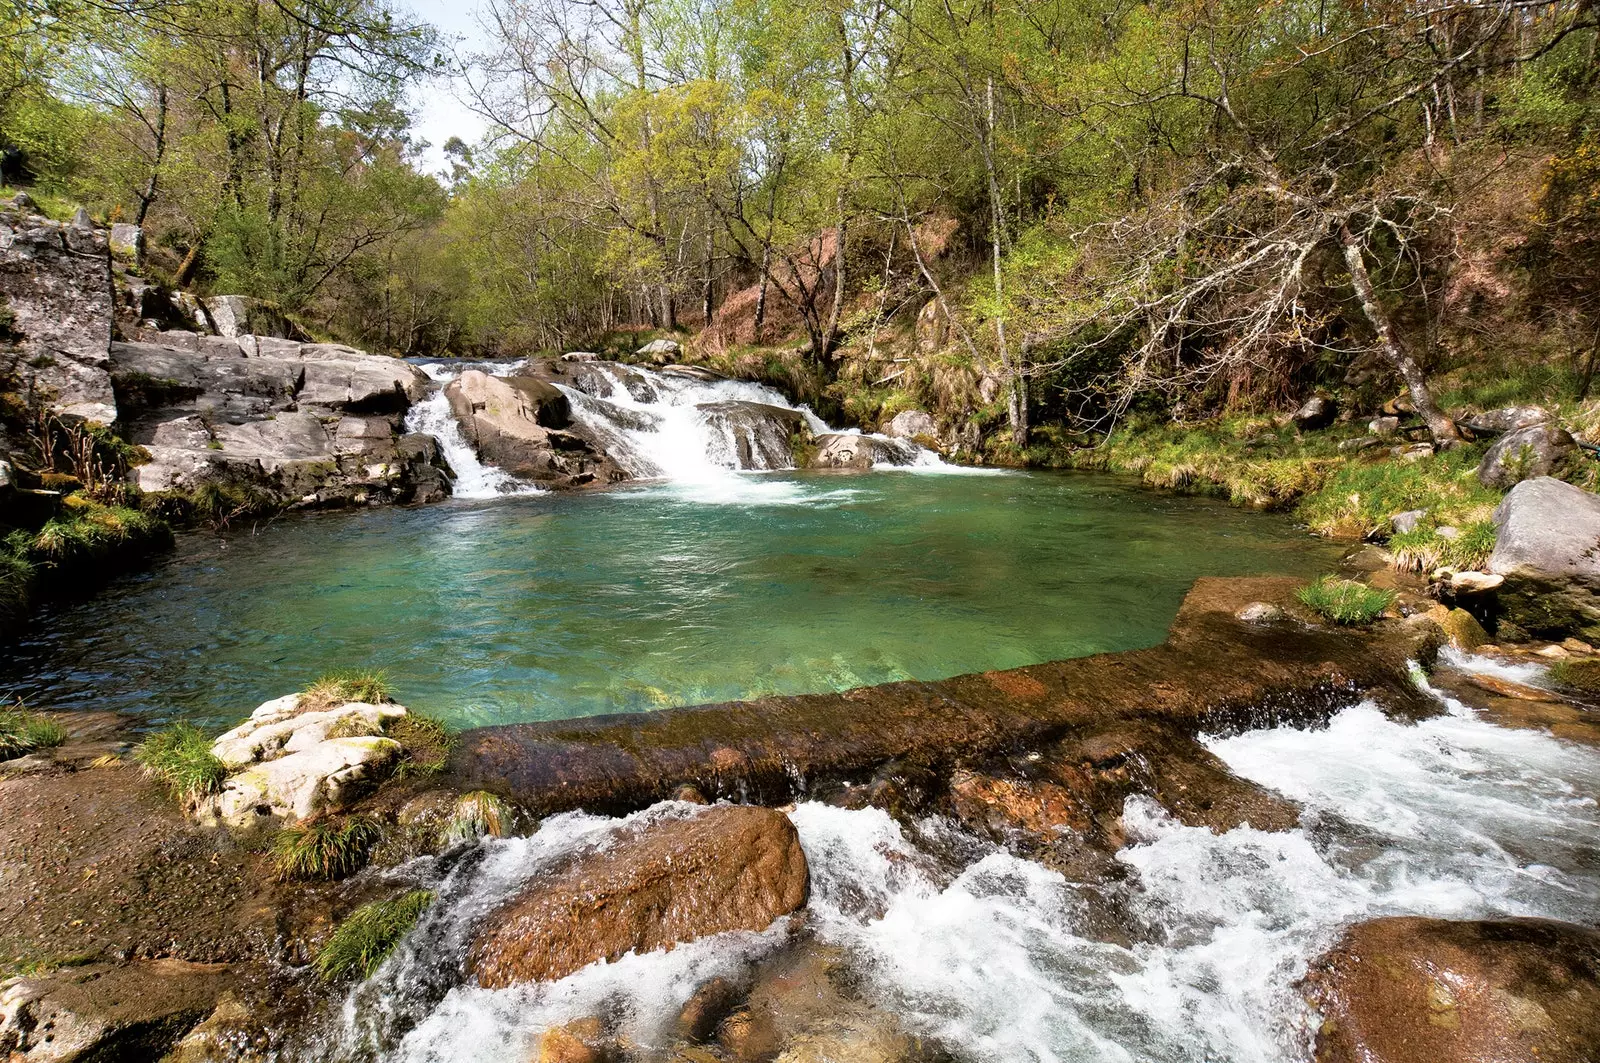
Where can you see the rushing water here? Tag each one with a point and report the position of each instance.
(997, 958)
(551, 606)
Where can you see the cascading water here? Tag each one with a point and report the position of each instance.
(472, 478)
(998, 959)
(674, 424)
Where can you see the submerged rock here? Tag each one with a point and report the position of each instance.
(1538, 450)
(1415, 990)
(656, 884)
(1548, 549)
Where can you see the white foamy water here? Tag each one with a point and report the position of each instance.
(999, 960)
(471, 477)
(697, 433)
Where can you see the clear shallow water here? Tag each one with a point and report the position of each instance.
(996, 957)
(550, 606)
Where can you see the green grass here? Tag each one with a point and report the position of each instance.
(477, 815)
(1360, 498)
(370, 933)
(1344, 601)
(339, 688)
(425, 741)
(1423, 549)
(181, 758)
(23, 732)
(325, 849)
(1580, 675)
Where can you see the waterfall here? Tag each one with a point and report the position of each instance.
(675, 423)
(472, 478)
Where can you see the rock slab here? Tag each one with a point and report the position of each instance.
(670, 879)
(1416, 990)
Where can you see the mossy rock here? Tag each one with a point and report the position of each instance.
(1580, 675)
(1463, 630)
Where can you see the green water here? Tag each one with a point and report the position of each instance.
(559, 606)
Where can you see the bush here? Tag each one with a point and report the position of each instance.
(1345, 601)
(365, 939)
(23, 732)
(339, 688)
(181, 758)
(326, 849)
(477, 815)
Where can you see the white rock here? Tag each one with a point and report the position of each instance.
(1475, 582)
(278, 728)
(324, 776)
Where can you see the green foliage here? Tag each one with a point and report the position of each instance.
(369, 934)
(426, 743)
(339, 688)
(1345, 601)
(23, 732)
(477, 815)
(181, 758)
(325, 849)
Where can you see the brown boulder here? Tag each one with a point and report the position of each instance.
(672, 880)
(1415, 990)
(1002, 805)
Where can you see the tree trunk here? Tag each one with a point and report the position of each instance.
(1440, 426)
(148, 196)
(761, 292)
(1016, 382)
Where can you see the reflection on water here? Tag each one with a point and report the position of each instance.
(549, 606)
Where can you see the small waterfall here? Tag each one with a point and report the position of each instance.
(473, 479)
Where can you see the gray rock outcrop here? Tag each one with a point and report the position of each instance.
(1526, 453)
(843, 450)
(238, 315)
(755, 435)
(909, 424)
(1548, 550)
(316, 424)
(56, 309)
(520, 425)
(1318, 412)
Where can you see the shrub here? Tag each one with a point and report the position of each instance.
(339, 688)
(370, 933)
(325, 849)
(181, 758)
(426, 743)
(477, 815)
(1345, 601)
(23, 732)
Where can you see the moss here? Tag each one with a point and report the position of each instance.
(23, 732)
(370, 933)
(1581, 675)
(1344, 601)
(426, 743)
(181, 758)
(325, 849)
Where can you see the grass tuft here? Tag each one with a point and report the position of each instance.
(365, 939)
(326, 849)
(181, 758)
(1580, 675)
(1345, 601)
(339, 688)
(23, 732)
(477, 815)
(426, 743)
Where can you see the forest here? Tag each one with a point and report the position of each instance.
(1029, 215)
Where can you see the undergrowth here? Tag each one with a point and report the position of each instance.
(325, 849)
(370, 933)
(181, 758)
(1345, 601)
(23, 732)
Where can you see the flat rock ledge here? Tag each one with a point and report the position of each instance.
(1215, 673)
(290, 763)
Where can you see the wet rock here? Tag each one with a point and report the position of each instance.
(1261, 613)
(1538, 450)
(1507, 688)
(56, 281)
(671, 879)
(1000, 806)
(660, 351)
(1548, 550)
(841, 450)
(706, 1008)
(517, 424)
(1318, 412)
(580, 356)
(101, 1012)
(580, 1041)
(1414, 990)
(690, 794)
(1463, 631)
(1470, 583)
(910, 424)
(756, 435)
(232, 1033)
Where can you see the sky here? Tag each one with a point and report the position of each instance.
(440, 115)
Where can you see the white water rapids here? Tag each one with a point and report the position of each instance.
(671, 425)
(995, 957)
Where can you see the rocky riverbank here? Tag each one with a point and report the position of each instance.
(132, 927)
